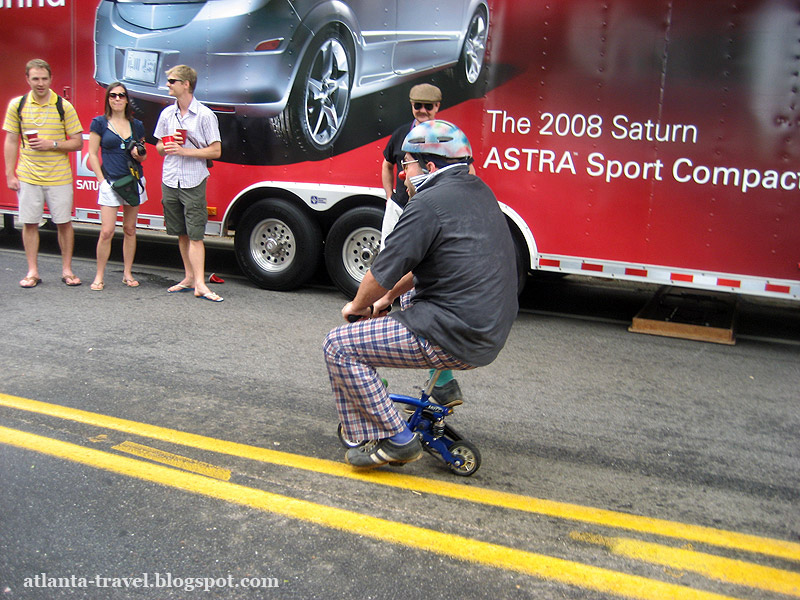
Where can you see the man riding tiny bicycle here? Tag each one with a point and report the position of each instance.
(453, 247)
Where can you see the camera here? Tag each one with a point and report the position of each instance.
(138, 145)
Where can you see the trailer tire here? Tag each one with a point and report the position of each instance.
(352, 244)
(277, 246)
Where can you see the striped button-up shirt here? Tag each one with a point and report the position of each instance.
(203, 130)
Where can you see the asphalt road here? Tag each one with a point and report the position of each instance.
(614, 464)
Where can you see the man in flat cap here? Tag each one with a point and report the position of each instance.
(425, 101)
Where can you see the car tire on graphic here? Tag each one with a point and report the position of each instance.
(352, 244)
(320, 97)
(472, 59)
(277, 246)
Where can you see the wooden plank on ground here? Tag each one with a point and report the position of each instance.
(689, 314)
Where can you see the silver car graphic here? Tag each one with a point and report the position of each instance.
(298, 63)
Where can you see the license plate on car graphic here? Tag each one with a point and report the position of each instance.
(140, 65)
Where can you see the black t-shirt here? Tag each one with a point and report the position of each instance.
(393, 154)
(454, 238)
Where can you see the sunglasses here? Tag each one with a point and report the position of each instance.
(428, 105)
(118, 95)
(174, 81)
(405, 163)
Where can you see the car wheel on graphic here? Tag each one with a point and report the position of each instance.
(320, 98)
(352, 244)
(277, 246)
(473, 53)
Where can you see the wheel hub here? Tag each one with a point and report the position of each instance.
(367, 255)
(360, 250)
(276, 248)
(273, 245)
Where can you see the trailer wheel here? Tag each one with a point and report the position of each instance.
(352, 244)
(277, 246)
(473, 53)
(320, 99)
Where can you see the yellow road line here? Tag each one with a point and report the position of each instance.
(454, 546)
(714, 567)
(693, 533)
(174, 460)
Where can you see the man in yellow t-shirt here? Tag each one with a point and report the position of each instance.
(41, 171)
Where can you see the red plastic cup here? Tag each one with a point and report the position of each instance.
(182, 133)
(167, 139)
(31, 134)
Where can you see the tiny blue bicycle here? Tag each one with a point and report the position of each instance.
(438, 438)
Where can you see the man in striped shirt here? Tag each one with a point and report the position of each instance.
(41, 171)
(183, 179)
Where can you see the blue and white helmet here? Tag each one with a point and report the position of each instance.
(438, 137)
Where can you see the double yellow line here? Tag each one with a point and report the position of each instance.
(550, 568)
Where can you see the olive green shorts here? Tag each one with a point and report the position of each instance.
(185, 210)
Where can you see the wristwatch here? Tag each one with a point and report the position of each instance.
(55, 145)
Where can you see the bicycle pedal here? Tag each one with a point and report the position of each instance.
(454, 403)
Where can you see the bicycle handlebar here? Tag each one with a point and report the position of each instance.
(354, 318)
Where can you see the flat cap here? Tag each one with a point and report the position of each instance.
(425, 92)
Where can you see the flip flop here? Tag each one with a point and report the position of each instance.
(30, 282)
(97, 287)
(179, 287)
(210, 296)
(71, 280)
(130, 282)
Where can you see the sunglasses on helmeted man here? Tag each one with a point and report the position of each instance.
(118, 95)
(418, 105)
(422, 165)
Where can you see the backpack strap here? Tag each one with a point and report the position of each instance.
(21, 103)
(60, 107)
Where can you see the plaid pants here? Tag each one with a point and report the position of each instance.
(352, 353)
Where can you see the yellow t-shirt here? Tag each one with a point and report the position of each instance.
(43, 168)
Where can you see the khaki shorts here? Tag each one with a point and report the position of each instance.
(32, 199)
(185, 210)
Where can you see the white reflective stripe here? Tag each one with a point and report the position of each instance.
(757, 286)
